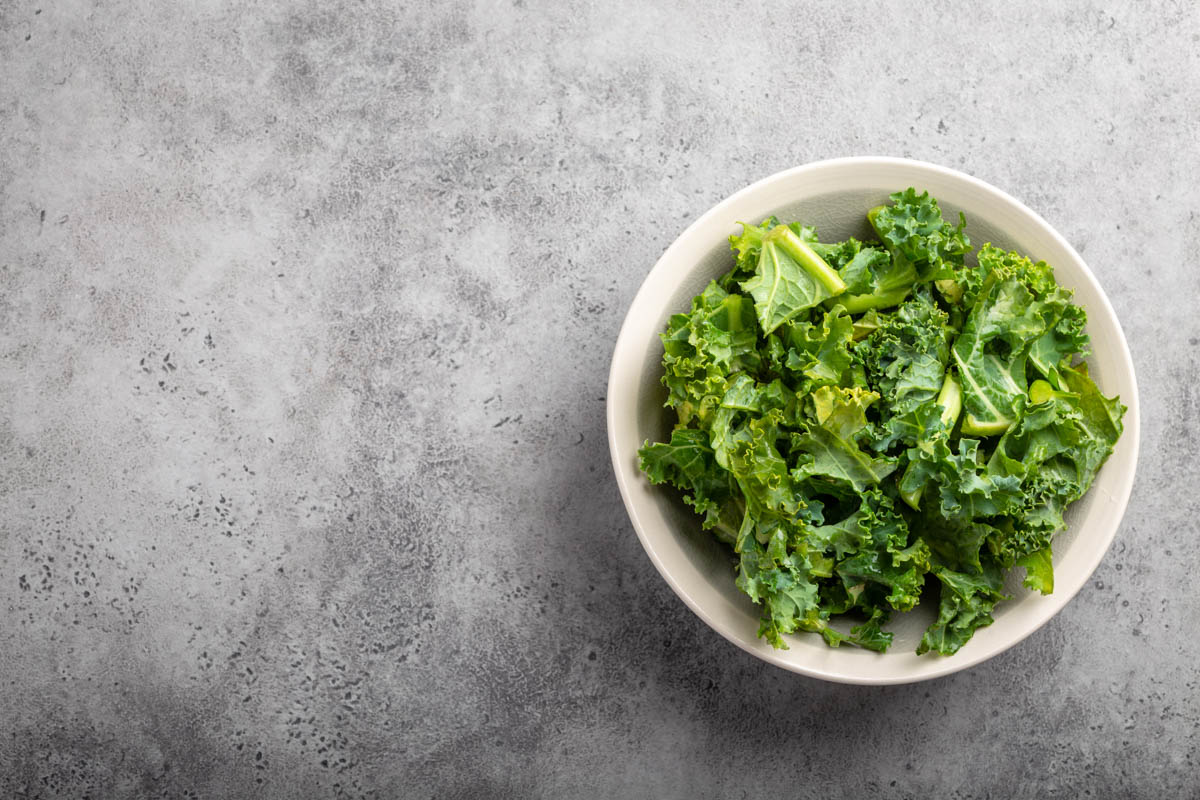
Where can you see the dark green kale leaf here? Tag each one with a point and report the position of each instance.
(905, 357)
(913, 230)
(778, 577)
(829, 447)
(1056, 449)
(966, 605)
(888, 554)
(688, 463)
(991, 353)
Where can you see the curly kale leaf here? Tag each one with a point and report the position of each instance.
(702, 348)
(913, 230)
(887, 556)
(688, 463)
(905, 356)
(819, 354)
(777, 570)
(829, 448)
(965, 605)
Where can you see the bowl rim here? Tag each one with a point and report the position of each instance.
(960, 661)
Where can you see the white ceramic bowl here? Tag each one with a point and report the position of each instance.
(834, 196)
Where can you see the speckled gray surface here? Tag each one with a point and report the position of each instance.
(305, 319)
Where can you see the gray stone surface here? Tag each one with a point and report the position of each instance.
(305, 319)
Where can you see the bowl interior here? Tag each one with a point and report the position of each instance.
(834, 196)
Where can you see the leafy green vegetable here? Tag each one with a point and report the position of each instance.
(820, 355)
(829, 447)
(875, 280)
(966, 604)
(914, 232)
(790, 277)
(862, 421)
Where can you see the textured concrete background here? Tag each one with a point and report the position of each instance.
(305, 318)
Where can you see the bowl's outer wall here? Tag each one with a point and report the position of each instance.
(834, 196)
